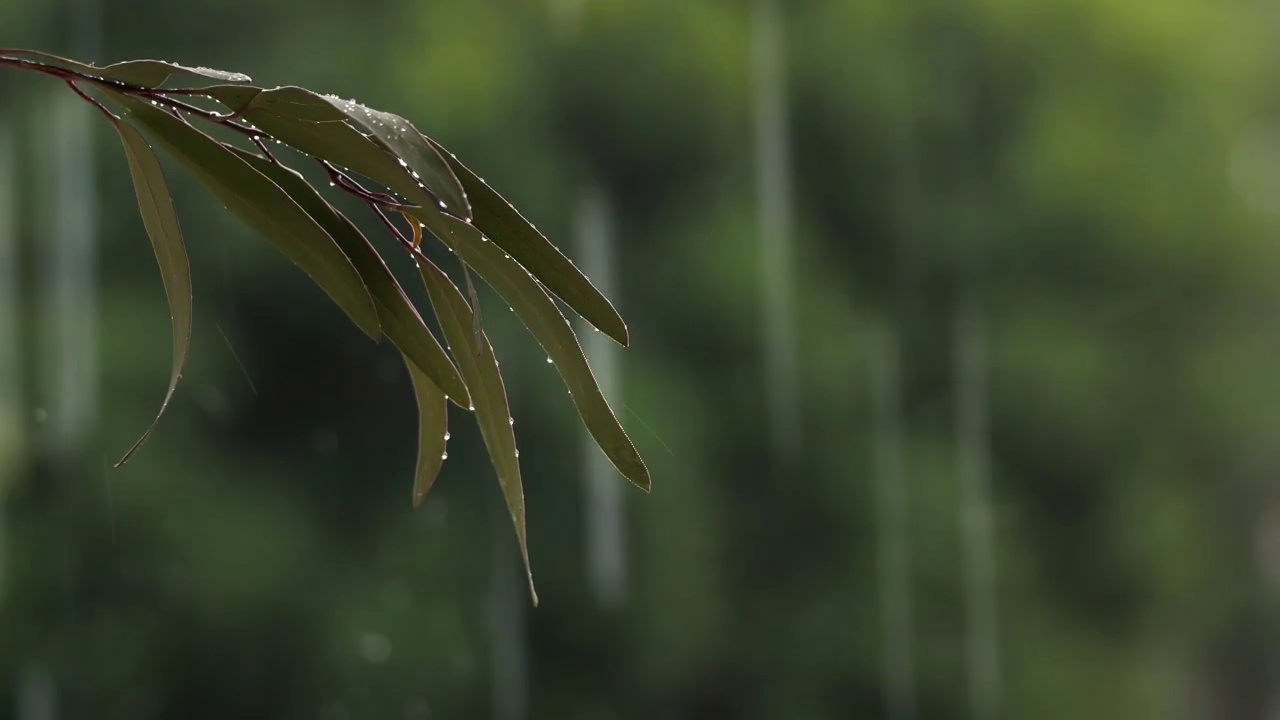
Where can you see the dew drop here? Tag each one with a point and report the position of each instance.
(446, 436)
(444, 456)
(511, 421)
(549, 361)
(472, 408)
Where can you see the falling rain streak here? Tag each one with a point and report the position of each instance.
(606, 531)
(773, 155)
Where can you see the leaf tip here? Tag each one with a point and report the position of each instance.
(128, 455)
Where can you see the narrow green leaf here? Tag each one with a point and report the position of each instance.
(433, 432)
(264, 206)
(289, 101)
(141, 73)
(480, 369)
(504, 225)
(400, 320)
(540, 314)
(338, 142)
(423, 160)
(393, 152)
(161, 221)
(233, 96)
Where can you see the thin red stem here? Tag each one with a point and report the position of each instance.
(92, 101)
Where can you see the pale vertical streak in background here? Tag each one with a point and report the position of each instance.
(606, 538)
(10, 388)
(975, 512)
(37, 698)
(67, 311)
(774, 203)
(892, 530)
(508, 600)
(70, 282)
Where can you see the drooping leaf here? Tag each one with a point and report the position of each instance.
(549, 327)
(480, 369)
(262, 205)
(504, 225)
(289, 101)
(390, 151)
(161, 221)
(423, 160)
(140, 73)
(400, 320)
(287, 120)
(433, 432)
(233, 96)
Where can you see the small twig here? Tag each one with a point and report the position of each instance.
(262, 145)
(347, 183)
(61, 72)
(377, 210)
(92, 101)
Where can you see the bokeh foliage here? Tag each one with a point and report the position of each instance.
(1099, 175)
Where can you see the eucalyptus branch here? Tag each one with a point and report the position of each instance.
(291, 214)
(61, 72)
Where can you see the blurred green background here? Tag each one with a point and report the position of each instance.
(953, 358)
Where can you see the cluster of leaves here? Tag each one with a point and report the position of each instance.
(413, 178)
